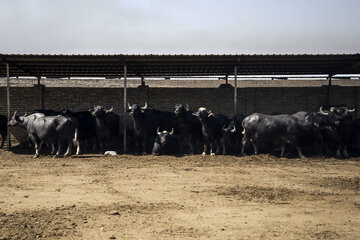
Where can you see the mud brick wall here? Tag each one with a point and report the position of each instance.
(219, 100)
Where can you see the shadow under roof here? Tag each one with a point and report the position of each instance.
(63, 66)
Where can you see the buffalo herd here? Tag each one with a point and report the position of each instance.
(329, 132)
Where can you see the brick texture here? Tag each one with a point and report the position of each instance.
(219, 100)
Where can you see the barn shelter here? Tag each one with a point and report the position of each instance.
(168, 66)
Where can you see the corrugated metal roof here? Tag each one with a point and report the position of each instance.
(150, 65)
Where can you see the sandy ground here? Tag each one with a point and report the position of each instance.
(166, 197)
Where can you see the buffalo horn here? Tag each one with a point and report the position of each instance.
(322, 112)
(14, 114)
(158, 131)
(172, 132)
(332, 109)
(352, 110)
(129, 106)
(233, 130)
(145, 107)
(110, 110)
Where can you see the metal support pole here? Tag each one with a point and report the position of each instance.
(226, 80)
(142, 82)
(235, 89)
(8, 105)
(125, 101)
(328, 90)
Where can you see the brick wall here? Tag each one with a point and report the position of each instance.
(219, 100)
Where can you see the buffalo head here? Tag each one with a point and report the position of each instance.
(202, 113)
(100, 112)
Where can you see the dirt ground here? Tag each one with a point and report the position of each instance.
(166, 197)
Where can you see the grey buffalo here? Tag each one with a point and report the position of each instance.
(52, 130)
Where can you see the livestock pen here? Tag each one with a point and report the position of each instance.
(226, 84)
(93, 196)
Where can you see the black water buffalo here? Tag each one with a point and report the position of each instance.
(231, 135)
(107, 127)
(166, 143)
(310, 137)
(355, 137)
(145, 123)
(343, 126)
(189, 128)
(273, 129)
(3, 129)
(47, 129)
(86, 129)
(211, 126)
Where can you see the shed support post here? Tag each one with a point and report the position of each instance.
(328, 90)
(235, 90)
(125, 106)
(42, 93)
(142, 82)
(8, 105)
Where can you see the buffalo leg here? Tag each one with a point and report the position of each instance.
(101, 144)
(58, 151)
(345, 152)
(217, 148)
(78, 148)
(205, 148)
(338, 154)
(2, 140)
(68, 151)
(283, 148)
(191, 147)
(253, 143)
(52, 149)
(36, 146)
(243, 142)
(36, 150)
(40, 145)
(299, 151)
(144, 146)
(212, 153)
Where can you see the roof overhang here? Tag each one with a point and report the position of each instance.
(63, 66)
